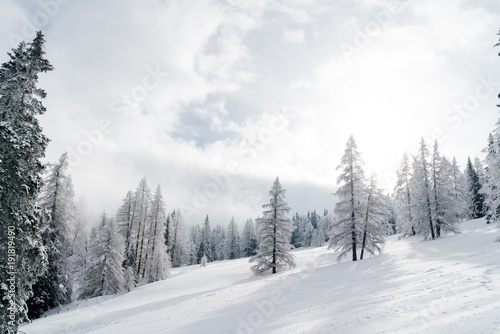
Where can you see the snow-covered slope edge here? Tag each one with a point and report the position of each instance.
(450, 285)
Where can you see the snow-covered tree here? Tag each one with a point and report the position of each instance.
(194, 244)
(375, 220)
(205, 245)
(492, 176)
(350, 207)
(249, 243)
(142, 205)
(459, 188)
(54, 287)
(232, 245)
(403, 198)
(475, 196)
(421, 189)
(177, 244)
(307, 232)
(274, 229)
(22, 146)
(157, 260)
(124, 221)
(105, 274)
(217, 242)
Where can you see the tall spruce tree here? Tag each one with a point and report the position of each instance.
(350, 207)
(205, 244)
(22, 146)
(492, 176)
(475, 197)
(232, 244)
(274, 229)
(54, 287)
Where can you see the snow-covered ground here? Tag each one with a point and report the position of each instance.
(450, 285)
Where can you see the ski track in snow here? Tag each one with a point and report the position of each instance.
(449, 285)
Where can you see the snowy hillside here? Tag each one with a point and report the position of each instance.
(450, 285)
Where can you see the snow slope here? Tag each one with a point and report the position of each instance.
(449, 285)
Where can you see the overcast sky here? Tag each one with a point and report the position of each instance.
(214, 99)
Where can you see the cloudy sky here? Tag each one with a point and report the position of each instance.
(214, 99)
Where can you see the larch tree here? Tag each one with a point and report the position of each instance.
(142, 205)
(375, 220)
(22, 146)
(54, 287)
(232, 244)
(274, 230)
(350, 207)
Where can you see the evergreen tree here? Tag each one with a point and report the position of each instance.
(275, 230)
(350, 207)
(205, 245)
(157, 261)
(475, 197)
(54, 287)
(492, 175)
(142, 205)
(232, 245)
(459, 189)
(421, 189)
(105, 275)
(217, 241)
(375, 220)
(22, 146)
(194, 244)
(307, 232)
(403, 198)
(249, 243)
(177, 244)
(124, 220)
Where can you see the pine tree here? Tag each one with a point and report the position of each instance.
(275, 230)
(105, 274)
(232, 246)
(249, 243)
(350, 207)
(22, 146)
(403, 198)
(475, 197)
(205, 245)
(375, 220)
(54, 287)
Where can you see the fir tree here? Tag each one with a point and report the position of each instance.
(350, 207)
(475, 197)
(177, 244)
(22, 146)
(54, 288)
(205, 245)
(275, 229)
(492, 175)
(232, 245)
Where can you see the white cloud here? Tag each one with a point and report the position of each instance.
(293, 36)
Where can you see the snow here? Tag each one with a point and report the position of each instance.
(449, 285)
